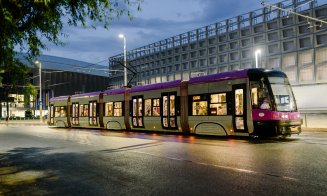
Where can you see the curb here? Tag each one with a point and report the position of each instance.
(314, 129)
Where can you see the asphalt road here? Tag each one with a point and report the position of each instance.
(36, 160)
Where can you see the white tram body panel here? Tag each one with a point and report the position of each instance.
(59, 111)
(114, 115)
(85, 110)
(222, 95)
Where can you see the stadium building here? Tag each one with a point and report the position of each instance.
(265, 38)
(60, 76)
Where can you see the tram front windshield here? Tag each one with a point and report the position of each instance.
(282, 93)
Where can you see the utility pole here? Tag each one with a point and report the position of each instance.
(40, 96)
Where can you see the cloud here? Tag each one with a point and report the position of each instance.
(157, 21)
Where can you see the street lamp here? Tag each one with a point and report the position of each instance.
(257, 53)
(125, 63)
(40, 96)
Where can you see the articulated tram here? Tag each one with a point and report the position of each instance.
(250, 102)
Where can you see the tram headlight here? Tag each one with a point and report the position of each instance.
(283, 116)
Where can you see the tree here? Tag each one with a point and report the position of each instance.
(27, 24)
(29, 90)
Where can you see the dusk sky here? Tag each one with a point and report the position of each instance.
(159, 19)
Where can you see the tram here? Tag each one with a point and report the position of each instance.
(250, 102)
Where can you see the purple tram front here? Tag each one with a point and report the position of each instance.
(274, 110)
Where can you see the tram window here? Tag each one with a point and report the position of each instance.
(172, 105)
(60, 111)
(140, 121)
(172, 122)
(94, 109)
(81, 110)
(259, 92)
(156, 107)
(75, 113)
(57, 111)
(118, 109)
(140, 107)
(199, 105)
(109, 109)
(86, 110)
(218, 105)
(254, 96)
(239, 102)
(147, 107)
(165, 123)
(50, 110)
(134, 107)
(93, 113)
(75, 110)
(165, 105)
(239, 123)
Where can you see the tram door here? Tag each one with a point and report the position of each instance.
(169, 117)
(137, 113)
(239, 108)
(93, 113)
(75, 120)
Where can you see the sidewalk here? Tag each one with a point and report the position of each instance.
(308, 129)
(23, 122)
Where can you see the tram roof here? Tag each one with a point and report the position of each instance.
(114, 91)
(156, 86)
(60, 98)
(91, 94)
(220, 77)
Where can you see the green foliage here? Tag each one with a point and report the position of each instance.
(29, 90)
(27, 24)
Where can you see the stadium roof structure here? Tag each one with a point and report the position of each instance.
(65, 64)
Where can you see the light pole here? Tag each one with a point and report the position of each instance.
(125, 63)
(40, 96)
(256, 54)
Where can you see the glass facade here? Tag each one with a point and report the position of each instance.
(287, 42)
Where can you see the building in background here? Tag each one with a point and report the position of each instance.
(290, 43)
(60, 76)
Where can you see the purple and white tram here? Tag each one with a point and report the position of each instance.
(250, 102)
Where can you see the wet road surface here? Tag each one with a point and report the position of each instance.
(37, 160)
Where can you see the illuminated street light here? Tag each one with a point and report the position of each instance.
(125, 63)
(257, 53)
(40, 96)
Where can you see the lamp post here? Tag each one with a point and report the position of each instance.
(40, 96)
(125, 63)
(256, 54)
